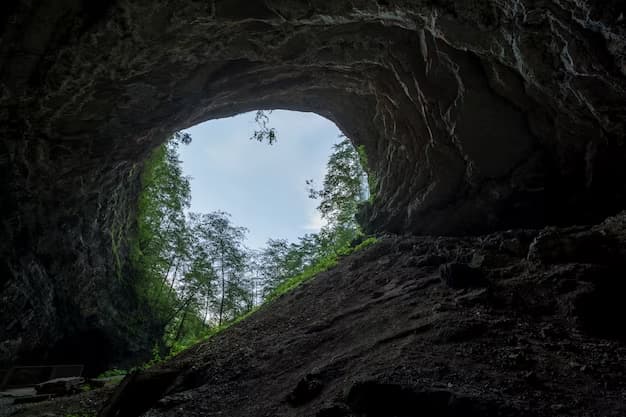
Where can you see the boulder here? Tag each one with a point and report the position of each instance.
(61, 386)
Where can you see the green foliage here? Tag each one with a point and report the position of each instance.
(160, 251)
(162, 237)
(284, 266)
(366, 243)
(264, 132)
(371, 179)
(221, 252)
(344, 187)
(113, 372)
(320, 265)
(190, 268)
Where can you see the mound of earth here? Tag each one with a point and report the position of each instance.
(517, 323)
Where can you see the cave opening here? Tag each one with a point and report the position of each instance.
(232, 212)
(264, 187)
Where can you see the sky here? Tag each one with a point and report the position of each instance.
(263, 187)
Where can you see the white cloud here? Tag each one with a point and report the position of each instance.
(315, 222)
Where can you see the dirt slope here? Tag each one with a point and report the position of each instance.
(520, 323)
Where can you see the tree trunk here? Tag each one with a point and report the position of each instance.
(253, 278)
(180, 326)
(178, 310)
(174, 275)
(223, 289)
(206, 307)
(164, 280)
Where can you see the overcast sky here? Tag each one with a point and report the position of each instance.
(261, 186)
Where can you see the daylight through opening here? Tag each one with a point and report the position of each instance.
(234, 212)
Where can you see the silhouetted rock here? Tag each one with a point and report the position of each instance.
(524, 346)
(457, 276)
(308, 388)
(61, 386)
(475, 116)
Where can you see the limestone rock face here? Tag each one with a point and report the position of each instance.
(475, 116)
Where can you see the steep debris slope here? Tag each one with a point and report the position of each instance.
(519, 323)
(475, 115)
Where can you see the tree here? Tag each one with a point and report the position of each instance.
(223, 243)
(162, 238)
(344, 187)
(264, 132)
(272, 261)
(192, 269)
(255, 275)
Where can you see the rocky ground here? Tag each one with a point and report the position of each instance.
(85, 404)
(517, 323)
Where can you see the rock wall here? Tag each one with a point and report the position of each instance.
(475, 115)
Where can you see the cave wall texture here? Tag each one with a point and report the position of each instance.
(476, 116)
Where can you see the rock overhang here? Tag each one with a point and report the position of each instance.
(475, 116)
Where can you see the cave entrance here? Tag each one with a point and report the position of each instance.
(475, 119)
(233, 212)
(262, 186)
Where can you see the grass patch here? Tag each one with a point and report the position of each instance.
(113, 372)
(180, 347)
(322, 265)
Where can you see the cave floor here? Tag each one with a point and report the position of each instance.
(517, 323)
